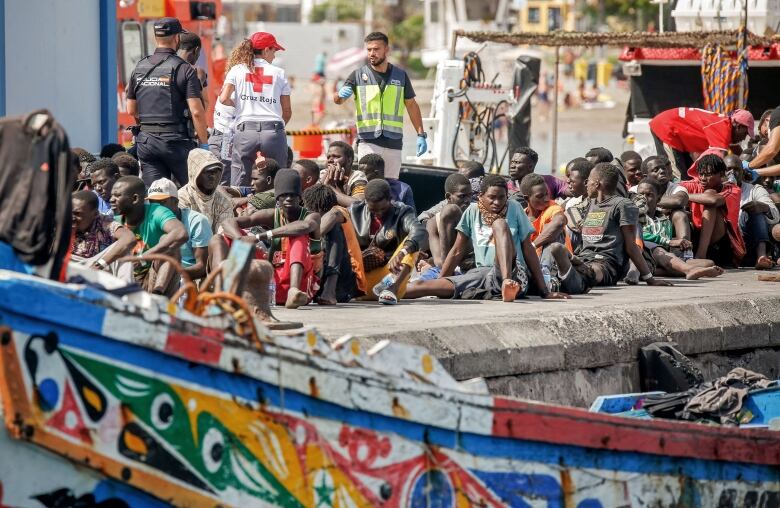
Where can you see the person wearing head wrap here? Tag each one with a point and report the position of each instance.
(292, 234)
(202, 192)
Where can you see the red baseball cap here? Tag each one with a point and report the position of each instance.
(744, 117)
(263, 40)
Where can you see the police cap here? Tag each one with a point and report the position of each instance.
(165, 27)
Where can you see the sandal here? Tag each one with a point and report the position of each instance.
(764, 263)
(387, 297)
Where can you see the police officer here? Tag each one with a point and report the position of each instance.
(164, 96)
(382, 93)
(261, 94)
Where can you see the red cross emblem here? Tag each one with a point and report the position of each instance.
(259, 79)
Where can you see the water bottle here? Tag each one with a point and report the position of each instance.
(272, 293)
(687, 255)
(547, 277)
(226, 150)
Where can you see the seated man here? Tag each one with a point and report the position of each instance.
(202, 193)
(349, 184)
(659, 239)
(195, 251)
(156, 229)
(546, 216)
(390, 236)
(103, 173)
(343, 276)
(373, 166)
(601, 154)
(309, 171)
(608, 239)
(442, 220)
(757, 216)
(128, 165)
(475, 172)
(260, 194)
(294, 237)
(632, 167)
(522, 163)
(715, 210)
(674, 200)
(99, 239)
(576, 207)
(500, 234)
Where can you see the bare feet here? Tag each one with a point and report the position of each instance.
(296, 298)
(698, 273)
(509, 290)
(764, 263)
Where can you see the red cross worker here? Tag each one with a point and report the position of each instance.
(261, 95)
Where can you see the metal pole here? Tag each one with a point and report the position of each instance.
(661, 17)
(743, 75)
(554, 156)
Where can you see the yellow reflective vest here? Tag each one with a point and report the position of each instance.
(380, 112)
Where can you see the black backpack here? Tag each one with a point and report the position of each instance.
(663, 368)
(37, 171)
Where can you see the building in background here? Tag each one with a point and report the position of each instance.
(543, 16)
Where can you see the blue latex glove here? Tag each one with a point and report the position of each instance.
(205, 146)
(345, 92)
(752, 173)
(422, 145)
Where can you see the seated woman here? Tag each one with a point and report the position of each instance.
(657, 235)
(390, 237)
(293, 234)
(342, 276)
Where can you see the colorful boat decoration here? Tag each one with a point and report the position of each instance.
(148, 401)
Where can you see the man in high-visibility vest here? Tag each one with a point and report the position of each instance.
(382, 93)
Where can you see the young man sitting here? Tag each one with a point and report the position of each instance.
(349, 184)
(546, 216)
(157, 231)
(343, 276)
(195, 251)
(294, 237)
(202, 192)
(390, 237)
(475, 172)
(522, 163)
(658, 237)
(715, 211)
(373, 166)
(99, 240)
(632, 167)
(576, 207)
(674, 198)
(608, 239)
(757, 215)
(309, 171)
(500, 234)
(103, 173)
(128, 165)
(260, 193)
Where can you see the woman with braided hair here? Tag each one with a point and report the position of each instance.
(500, 234)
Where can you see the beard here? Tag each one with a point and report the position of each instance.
(378, 62)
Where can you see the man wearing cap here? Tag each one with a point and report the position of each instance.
(382, 93)
(195, 251)
(680, 132)
(293, 234)
(164, 96)
(261, 95)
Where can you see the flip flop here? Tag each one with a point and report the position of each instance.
(387, 297)
(764, 263)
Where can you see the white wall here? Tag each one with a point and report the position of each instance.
(52, 58)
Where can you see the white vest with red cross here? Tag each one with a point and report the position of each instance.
(258, 91)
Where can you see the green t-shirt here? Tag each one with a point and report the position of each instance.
(472, 225)
(658, 230)
(150, 230)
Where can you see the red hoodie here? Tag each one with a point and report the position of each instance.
(731, 193)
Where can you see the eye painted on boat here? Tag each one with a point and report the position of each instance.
(162, 411)
(213, 450)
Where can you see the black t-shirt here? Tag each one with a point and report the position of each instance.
(382, 78)
(774, 118)
(186, 78)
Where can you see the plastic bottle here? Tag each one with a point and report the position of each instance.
(547, 277)
(687, 254)
(226, 150)
(272, 293)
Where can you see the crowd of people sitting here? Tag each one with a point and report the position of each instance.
(345, 232)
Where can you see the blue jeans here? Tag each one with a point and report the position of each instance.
(755, 231)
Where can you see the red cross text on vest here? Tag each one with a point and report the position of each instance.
(258, 79)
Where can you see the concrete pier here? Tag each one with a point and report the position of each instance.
(569, 352)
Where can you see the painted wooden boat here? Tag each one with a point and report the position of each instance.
(149, 400)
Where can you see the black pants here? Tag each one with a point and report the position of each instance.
(163, 156)
(337, 261)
